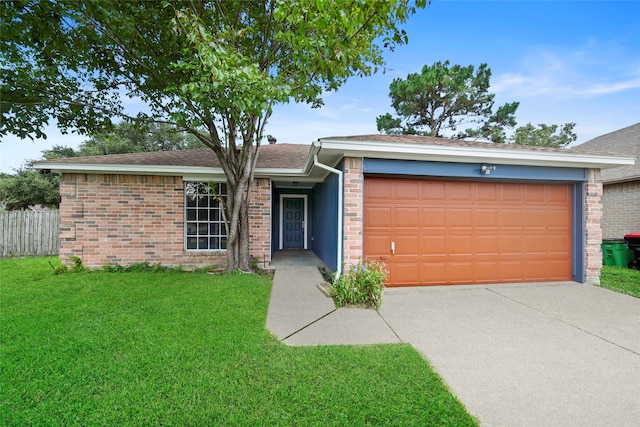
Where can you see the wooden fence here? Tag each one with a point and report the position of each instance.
(29, 233)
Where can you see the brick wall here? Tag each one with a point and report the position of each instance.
(593, 228)
(620, 209)
(260, 221)
(353, 210)
(125, 219)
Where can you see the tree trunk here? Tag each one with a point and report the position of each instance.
(237, 213)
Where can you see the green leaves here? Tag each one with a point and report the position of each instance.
(361, 285)
(28, 188)
(545, 135)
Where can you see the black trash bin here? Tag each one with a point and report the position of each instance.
(633, 240)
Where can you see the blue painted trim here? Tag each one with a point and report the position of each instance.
(578, 268)
(324, 236)
(473, 171)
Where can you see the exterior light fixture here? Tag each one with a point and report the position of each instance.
(486, 169)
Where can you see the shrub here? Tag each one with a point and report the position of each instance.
(361, 285)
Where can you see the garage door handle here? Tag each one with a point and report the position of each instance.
(393, 248)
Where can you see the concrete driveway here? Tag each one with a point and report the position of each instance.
(561, 354)
(545, 354)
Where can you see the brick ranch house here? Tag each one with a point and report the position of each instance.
(621, 194)
(436, 211)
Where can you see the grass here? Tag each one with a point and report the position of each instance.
(188, 349)
(623, 280)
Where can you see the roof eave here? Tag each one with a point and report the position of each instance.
(621, 180)
(164, 170)
(448, 153)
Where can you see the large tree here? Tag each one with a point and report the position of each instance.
(212, 68)
(447, 100)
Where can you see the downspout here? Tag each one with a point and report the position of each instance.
(340, 208)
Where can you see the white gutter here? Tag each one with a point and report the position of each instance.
(340, 208)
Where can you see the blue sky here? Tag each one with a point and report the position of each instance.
(564, 61)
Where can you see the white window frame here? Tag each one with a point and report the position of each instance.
(197, 223)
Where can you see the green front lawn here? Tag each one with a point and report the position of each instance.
(623, 280)
(188, 349)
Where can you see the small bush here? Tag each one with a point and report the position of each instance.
(139, 267)
(77, 266)
(361, 285)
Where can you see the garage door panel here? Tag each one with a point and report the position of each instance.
(559, 246)
(434, 217)
(458, 271)
(378, 190)
(535, 245)
(555, 269)
(489, 194)
(559, 196)
(511, 217)
(432, 244)
(407, 245)
(511, 244)
(535, 194)
(558, 218)
(510, 271)
(432, 273)
(377, 245)
(485, 272)
(486, 217)
(535, 218)
(461, 191)
(459, 245)
(472, 232)
(378, 217)
(434, 190)
(512, 194)
(406, 217)
(460, 217)
(487, 245)
(407, 190)
(405, 273)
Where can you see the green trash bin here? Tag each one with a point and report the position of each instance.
(616, 253)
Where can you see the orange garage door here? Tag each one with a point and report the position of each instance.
(431, 232)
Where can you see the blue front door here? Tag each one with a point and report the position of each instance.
(293, 223)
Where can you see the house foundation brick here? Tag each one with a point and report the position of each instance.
(126, 219)
(593, 229)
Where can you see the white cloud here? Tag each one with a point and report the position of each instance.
(584, 72)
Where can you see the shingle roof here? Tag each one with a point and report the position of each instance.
(276, 156)
(624, 141)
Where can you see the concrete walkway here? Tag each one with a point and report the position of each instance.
(551, 354)
(300, 314)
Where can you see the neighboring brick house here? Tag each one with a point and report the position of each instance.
(435, 211)
(621, 194)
